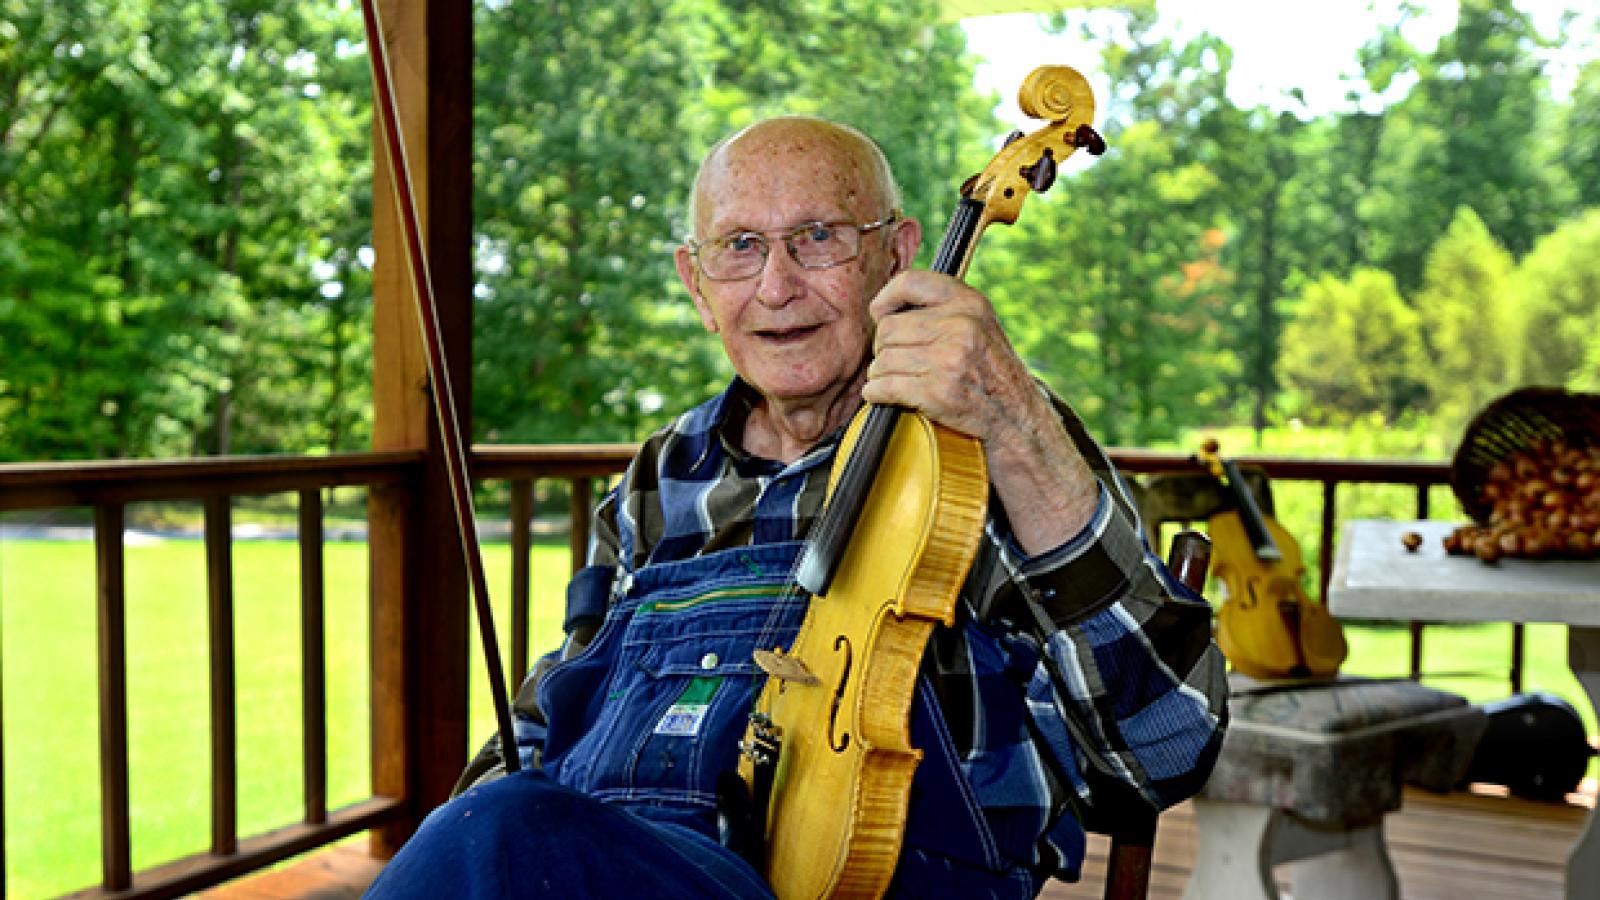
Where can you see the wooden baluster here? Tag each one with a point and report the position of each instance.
(1414, 626)
(521, 575)
(111, 587)
(224, 740)
(2, 735)
(1518, 652)
(1330, 513)
(313, 659)
(582, 514)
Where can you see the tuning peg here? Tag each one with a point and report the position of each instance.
(1041, 174)
(1089, 139)
(1011, 138)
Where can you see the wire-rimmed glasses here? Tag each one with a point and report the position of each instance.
(742, 254)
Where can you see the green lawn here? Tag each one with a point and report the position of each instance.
(47, 637)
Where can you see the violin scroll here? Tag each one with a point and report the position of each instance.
(1028, 162)
(1056, 93)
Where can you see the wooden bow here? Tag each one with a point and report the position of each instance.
(386, 114)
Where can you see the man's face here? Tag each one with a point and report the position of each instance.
(794, 333)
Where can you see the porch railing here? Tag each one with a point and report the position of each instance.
(106, 487)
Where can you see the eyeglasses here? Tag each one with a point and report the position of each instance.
(738, 255)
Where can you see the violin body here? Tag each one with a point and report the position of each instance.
(1267, 627)
(863, 641)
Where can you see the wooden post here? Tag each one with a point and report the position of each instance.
(418, 577)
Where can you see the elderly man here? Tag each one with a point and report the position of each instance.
(1075, 661)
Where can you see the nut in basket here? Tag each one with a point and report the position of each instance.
(1528, 473)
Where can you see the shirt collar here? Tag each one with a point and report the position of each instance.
(729, 413)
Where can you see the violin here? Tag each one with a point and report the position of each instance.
(1266, 626)
(820, 800)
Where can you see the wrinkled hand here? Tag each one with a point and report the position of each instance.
(939, 348)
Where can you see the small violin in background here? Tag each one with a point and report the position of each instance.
(1267, 626)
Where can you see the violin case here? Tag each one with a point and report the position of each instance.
(1535, 745)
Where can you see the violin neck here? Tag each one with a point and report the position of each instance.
(960, 238)
(831, 535)
(1255, 522)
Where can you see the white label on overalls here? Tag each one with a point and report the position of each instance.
(683, 719)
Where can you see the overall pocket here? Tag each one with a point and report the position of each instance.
(680, 692)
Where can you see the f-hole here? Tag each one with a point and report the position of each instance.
(1253, 599)
(836, 740)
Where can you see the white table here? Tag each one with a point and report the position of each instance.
(1374, 577)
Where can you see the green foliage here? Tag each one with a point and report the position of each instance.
(1353, 348)
(1116, 292)
(1559, 293)
(578, 162)
(1123, 321)
(1460, 138)
(173, 184)
(1468, 324)
(1579, 153)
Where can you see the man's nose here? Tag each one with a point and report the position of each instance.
(780, 280)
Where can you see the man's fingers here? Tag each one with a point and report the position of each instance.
(918, 290)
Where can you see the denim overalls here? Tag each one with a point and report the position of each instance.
(649, 715)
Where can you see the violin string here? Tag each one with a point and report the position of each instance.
(792, 594)
(825, 530)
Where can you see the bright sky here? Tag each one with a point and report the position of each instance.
(1277, 45)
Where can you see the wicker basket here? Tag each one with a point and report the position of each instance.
(1509, 424)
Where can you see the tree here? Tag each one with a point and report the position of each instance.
(1560, 298)
(1353, 349)
(166, 205)
(576, 169)
(591, 121)
(1114, 296)
(1466, 313)
(1462, 138)
(1579, 153)
(1255, 157)
(1120, 297)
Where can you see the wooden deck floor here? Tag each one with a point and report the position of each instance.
(1458, 846)
(1445, 847)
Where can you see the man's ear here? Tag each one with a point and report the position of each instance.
(907, 238)
(689, 274)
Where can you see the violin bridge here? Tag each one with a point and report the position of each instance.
(784, 667)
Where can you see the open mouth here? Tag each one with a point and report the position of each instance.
(787, 335)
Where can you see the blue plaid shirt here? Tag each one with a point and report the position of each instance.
(1122, 680)
(1065, 674)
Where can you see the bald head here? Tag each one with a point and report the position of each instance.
(858, 171)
